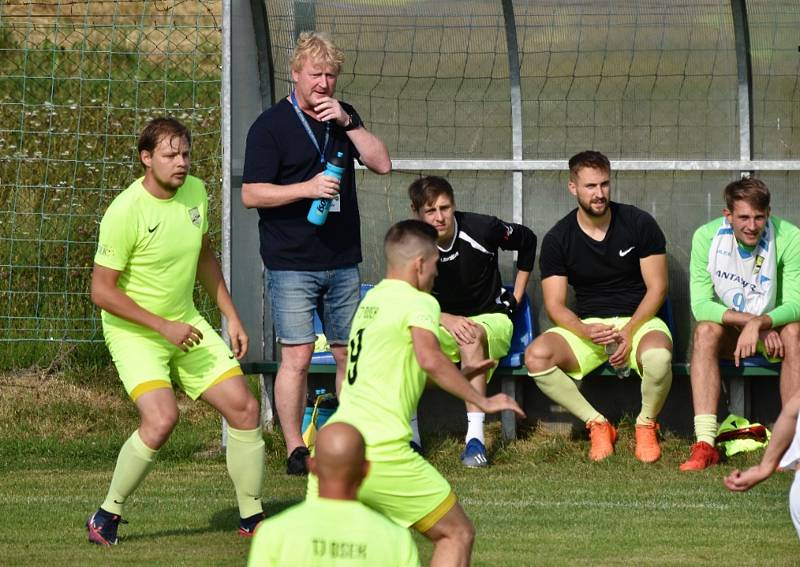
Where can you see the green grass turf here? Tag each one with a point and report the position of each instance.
(540, 503)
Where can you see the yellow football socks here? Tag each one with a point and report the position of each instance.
(656, 382)
(245, 460)
(705, 428)
(560, 388)
(133, 463)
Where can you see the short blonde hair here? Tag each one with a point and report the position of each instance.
(319, 47)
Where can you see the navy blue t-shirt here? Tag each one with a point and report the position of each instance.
(279, 151)
(606, 275)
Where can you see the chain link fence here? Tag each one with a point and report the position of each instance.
(78, 81)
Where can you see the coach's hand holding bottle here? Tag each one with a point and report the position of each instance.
(318, 212)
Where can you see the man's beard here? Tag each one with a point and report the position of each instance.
(587, 208)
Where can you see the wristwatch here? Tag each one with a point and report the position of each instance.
(355, 122)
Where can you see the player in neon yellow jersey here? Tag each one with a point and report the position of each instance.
(153, 244)
(393, 349)
(334, 529)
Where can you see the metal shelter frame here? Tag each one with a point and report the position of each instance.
(247, 53)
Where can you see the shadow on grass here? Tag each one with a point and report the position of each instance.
(274, 507)
(230, 526)
(226, 520)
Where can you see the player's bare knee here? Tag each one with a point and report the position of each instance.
(250, 413)
(790, 337)
(707, 335)
(539, 356)
(252, 406)
(464, 532)
(472, 352)
(157, 426)
(244, 413)
(461, 533)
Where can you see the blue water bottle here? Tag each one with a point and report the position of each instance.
(319, 208)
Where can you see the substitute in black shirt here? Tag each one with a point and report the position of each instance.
(606, 274)
(476, 309)
(614, 257)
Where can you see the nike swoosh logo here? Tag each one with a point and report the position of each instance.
(625, 252)
(153, 229)
(230, 357)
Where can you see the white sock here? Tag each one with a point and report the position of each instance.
(475, 425)
(415, 430)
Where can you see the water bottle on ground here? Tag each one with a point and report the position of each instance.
(621, 371)
(318, 212)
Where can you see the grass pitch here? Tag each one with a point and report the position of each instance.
(540, 503)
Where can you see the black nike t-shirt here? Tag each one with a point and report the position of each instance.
(605, 275)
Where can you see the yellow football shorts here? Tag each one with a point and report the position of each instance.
(402, 486)
(146, 361)
(590, 355)
(499, 329)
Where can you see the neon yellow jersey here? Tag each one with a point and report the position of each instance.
(332, 533)
(155, 243)
(384, 380)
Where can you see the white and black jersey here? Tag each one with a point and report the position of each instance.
(469, 280)
(605, 275)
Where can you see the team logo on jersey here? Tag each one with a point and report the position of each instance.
(758, 264)
(194, 216)
(509, 231)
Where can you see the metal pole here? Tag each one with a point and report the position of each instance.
(744, 72)
(516, 105)
(415, 165)
(508, 419)
(226, 168)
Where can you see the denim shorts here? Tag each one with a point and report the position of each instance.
(294, 295)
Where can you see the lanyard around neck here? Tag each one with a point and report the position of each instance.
(307, 128)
